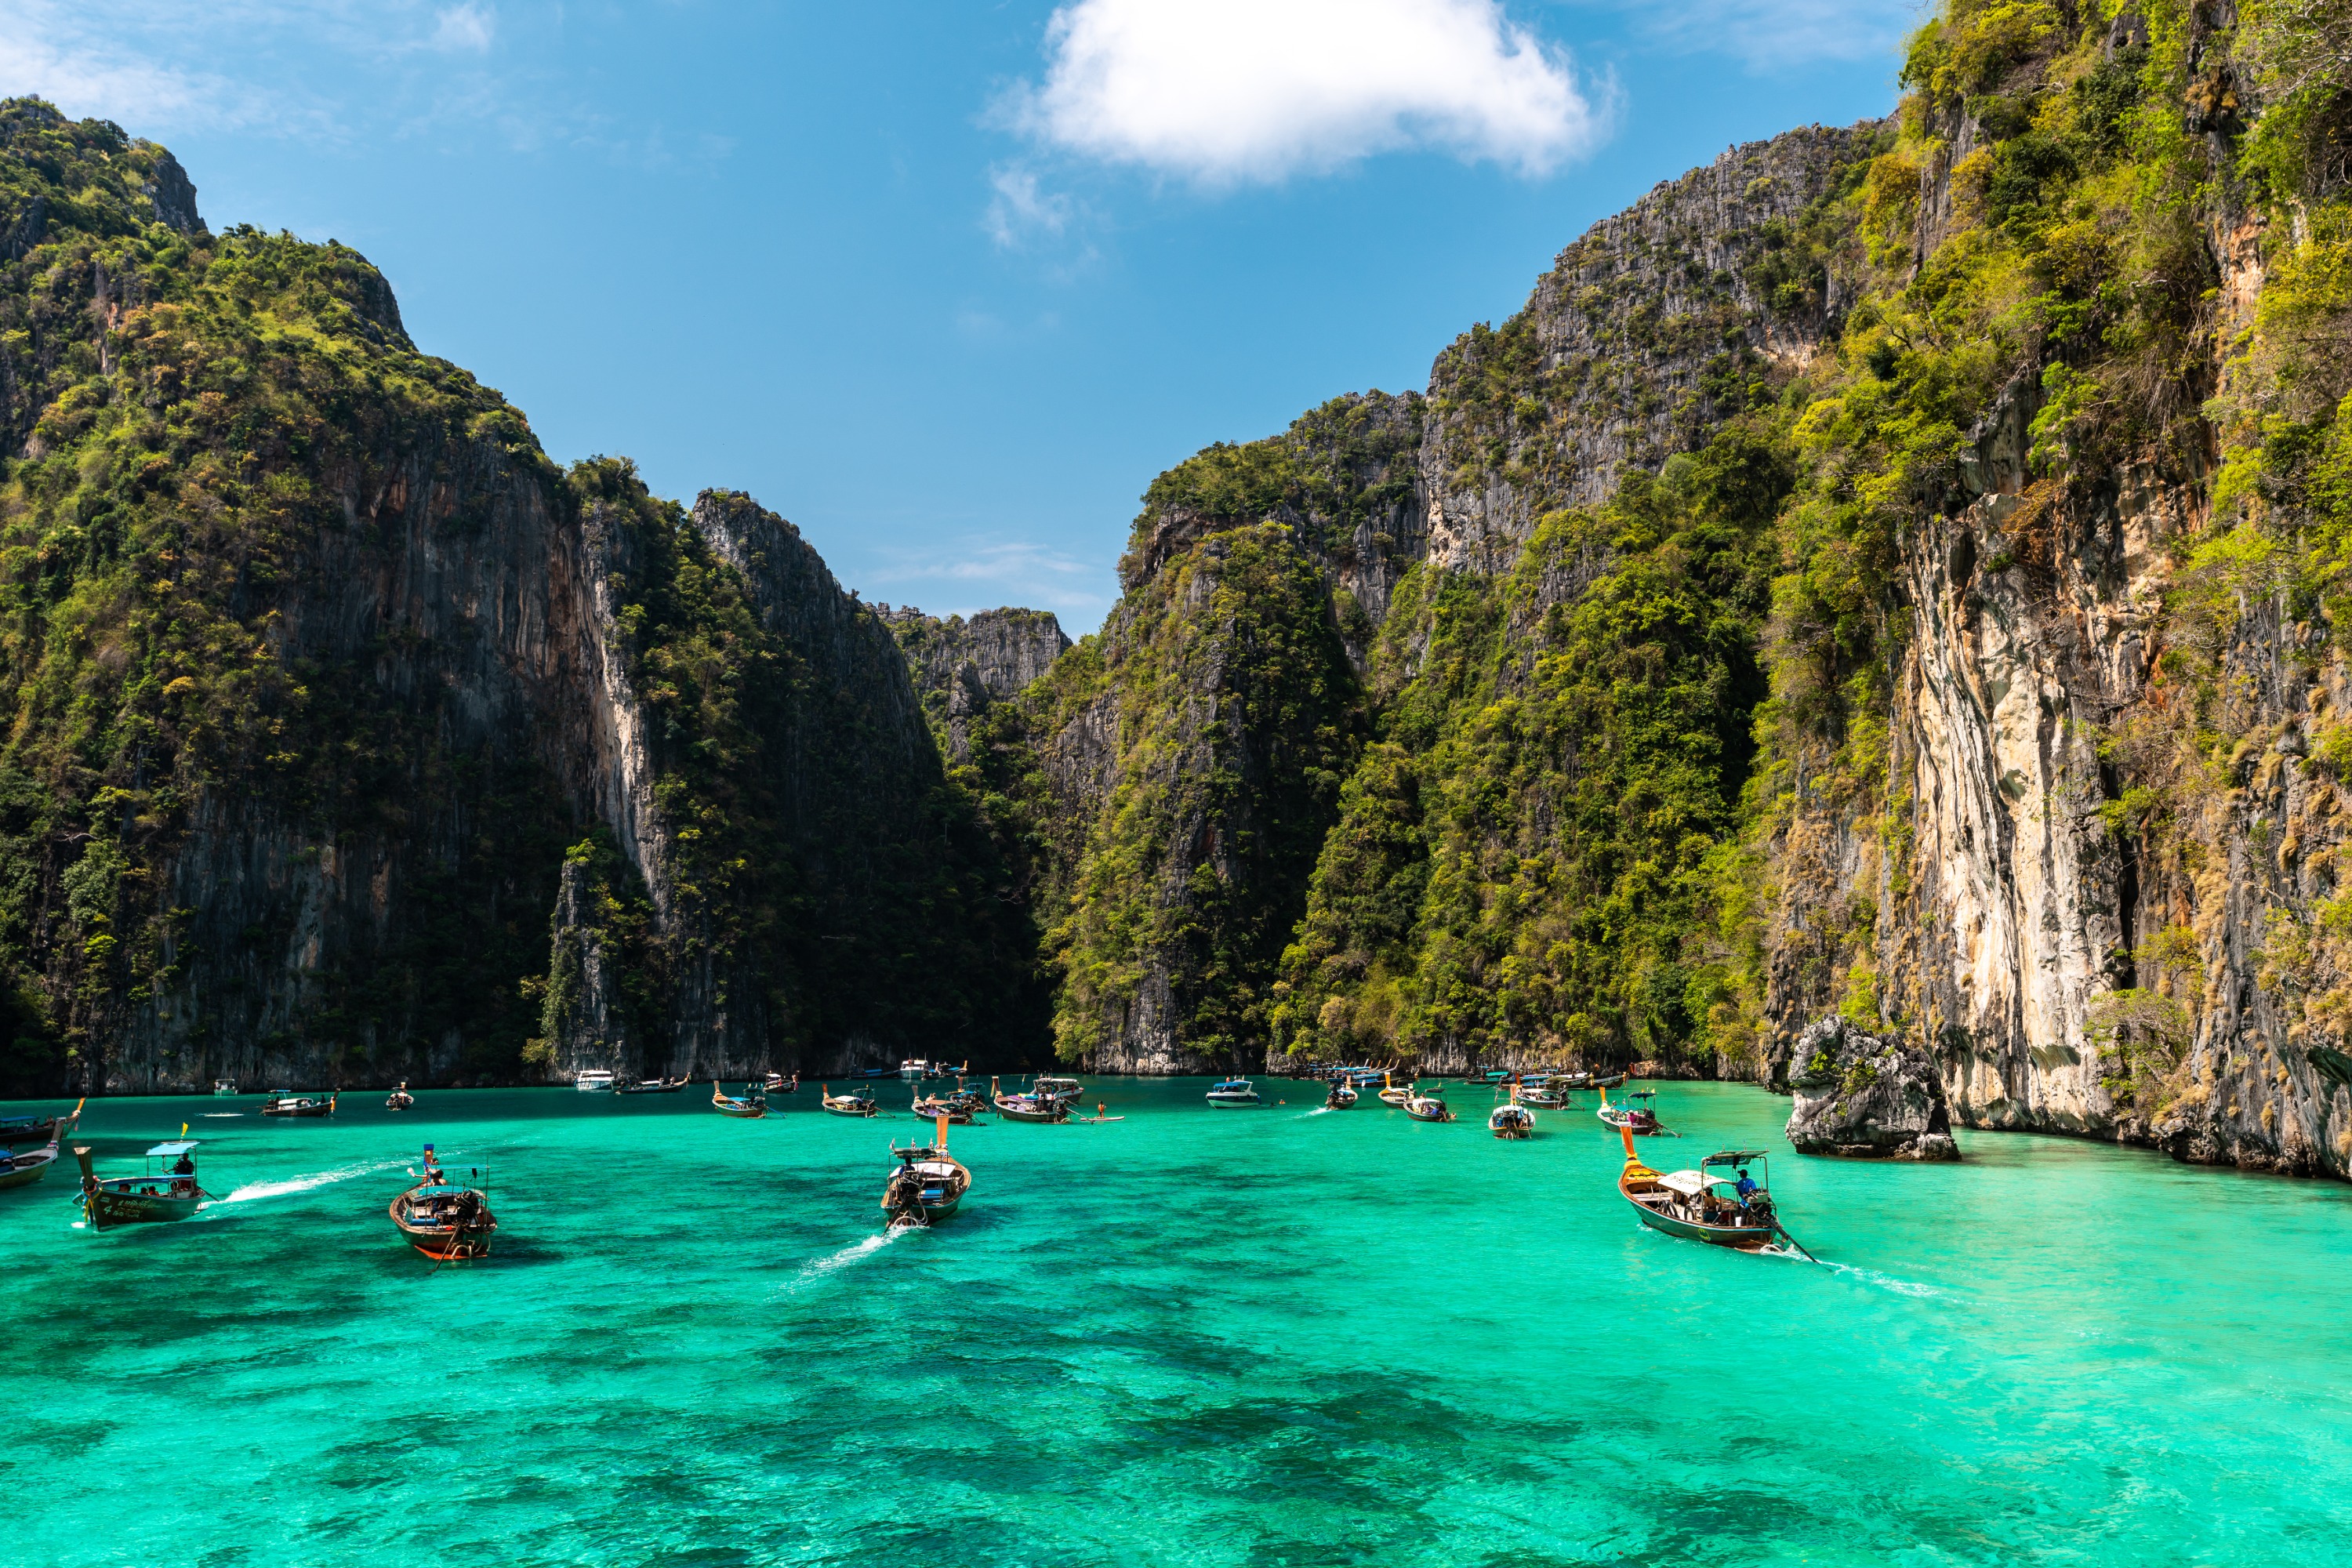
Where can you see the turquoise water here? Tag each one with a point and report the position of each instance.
(1195, 1336)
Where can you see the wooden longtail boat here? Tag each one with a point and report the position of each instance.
(928, 1185)
(167, 1191)
(399, 1098)
(1510, 1119)
(33, 1128)
(1028, 1107)
(1428, 1108)
(1639, 1119)
(779, 1084)
(857, 1102)
(931, 1107)
(285, 1104)
(1057, 1088)
(1343, 1095)
(752, 1107)
(442, 1219)
(1391, 1093)
(1543, 1097)
(1704, 1205)
(22, 1170)
(651, 1085)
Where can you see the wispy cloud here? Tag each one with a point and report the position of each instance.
(982, 573)
(1772, 35)
(1222, 91)
(1021, 211)
(463, 29)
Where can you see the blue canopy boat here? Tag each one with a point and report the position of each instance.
(167, 1191)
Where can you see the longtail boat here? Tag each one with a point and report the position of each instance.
(931, 1107)
(167, 1191)
(779, 1084)
(1719, 1202)
(1056, 1088)
(1428, 1108)
(1543, 1096)
(1638, 1119)
(1393, 1093)
(1028, 1107)
(442, 1219)
(1510, 1119)
(857, 1102)
(285, 1104)
(33, 1128)
(399, 1098)
(22, 1170)
(651, 1085)
(1343, 1095)
(752, 1107)
(929, 1184)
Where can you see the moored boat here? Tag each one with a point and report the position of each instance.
(1058, 1087)
(928, 1185)
(283, 1103)
(168, 1192)
(1393, 1092)
(750, 1107)
(1234, 1091)
(779, 1084)
(1342, 1095)
(1511, 1120)
(36, 1129)
(1028, 1107)
(1639, 1119)
(854, 1102)
(23, 1168)
(223, 1086)
(1428, 1108)
(443, 1219)
(399, 1098)
(931, 1107)
(651, 1085)
(595, 1081)
(1720, 1203)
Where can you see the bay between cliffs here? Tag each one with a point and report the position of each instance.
(1264, 1336)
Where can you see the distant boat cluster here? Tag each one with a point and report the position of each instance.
(1724, 1200)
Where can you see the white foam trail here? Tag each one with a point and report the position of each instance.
(811, 1273)
(217, 1115)
(1887, 1281)
(1318, 1110)
(252, 1190)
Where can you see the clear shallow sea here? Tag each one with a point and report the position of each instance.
(1195, 1336)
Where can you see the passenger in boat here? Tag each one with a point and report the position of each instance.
(1746, 1185)
(184, 1167)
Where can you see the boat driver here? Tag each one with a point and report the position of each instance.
(1747, 1186)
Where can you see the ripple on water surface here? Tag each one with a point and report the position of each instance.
(1196, 1336)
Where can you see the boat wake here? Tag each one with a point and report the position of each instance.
(1886, 1281)
(253, 1190)
(855, 1252)
(218, 1115)
(1318, 1110)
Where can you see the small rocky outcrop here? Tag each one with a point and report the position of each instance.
(1868, 1098)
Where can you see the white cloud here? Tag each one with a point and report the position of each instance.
(1021, 211)
(1227, 90)
(462, 29)
(982, 574)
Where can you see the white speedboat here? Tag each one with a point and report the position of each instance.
(1234, 1091)
(595, 1081)
(914, 1069)
(223, 1086)
(1057, 1088)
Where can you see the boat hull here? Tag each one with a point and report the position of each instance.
(1739, 1238)
(32, 1169)
(441, 1243)
(742, 1112)
(127, 1201)
(1234, 1102)
(856, 1110)
(1021, 1113)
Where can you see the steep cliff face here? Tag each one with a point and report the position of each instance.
(1654, 327)
(961, 667)
(2064, 806)
(316, 667)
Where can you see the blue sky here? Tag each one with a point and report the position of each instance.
(945, 284)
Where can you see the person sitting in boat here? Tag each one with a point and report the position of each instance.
(184, 1167)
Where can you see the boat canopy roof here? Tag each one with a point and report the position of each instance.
(439, 1190)
(178, 1146)
(1734, 1157)
(1687, 1182)
(1236, 1083)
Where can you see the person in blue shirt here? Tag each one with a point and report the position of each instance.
(1746, 1185)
